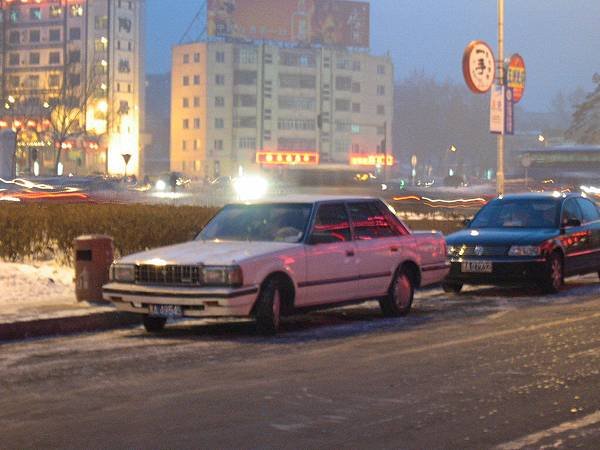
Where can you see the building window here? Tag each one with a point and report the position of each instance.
(219, 101)
(343, 83)
(184, 145)
(124, 25)
(56, 11)
(244, 122)
(33, 81)
(244, 77)
(196, 57)
(54, 81)
(183, 166)
(381, 90)
(220, 57)
(186, 58)
(196, 144)
(76, 10)
(244, 100)
(186, 124)
(101, 44)
(74, 56)
(196, 166)
(14, 81)
(123, 107)
(196, 80)
(219, 123)
(297, 81)
(381, 69)
(218, 144)
(75, 34)
(35, 14)
(34, 58)
(246, 55)
(196, 102)
(14, 37)
(124, 66)
(247, 143)
(356, 66)
(355, 107)
(14, 59)
(34, 36)
(54, 58)
(342, 104)
(186, 80)
(356, 87)
(74, 80)
(380, 110)
(15, 15)
(197, 124)
(220, 80)
(101, 22)
(186, 102)
(54, 35)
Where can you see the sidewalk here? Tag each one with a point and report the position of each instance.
(38, 300)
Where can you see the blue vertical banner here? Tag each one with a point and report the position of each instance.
(509, 117)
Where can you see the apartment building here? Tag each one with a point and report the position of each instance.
(87, 53)
(241, 106)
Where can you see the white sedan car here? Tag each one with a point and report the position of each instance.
(273, 258)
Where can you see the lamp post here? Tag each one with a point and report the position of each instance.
(500, 81)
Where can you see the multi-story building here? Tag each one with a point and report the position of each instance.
(85, 56)
(240, 105)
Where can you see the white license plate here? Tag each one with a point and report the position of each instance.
(476, 266)
(166, 310)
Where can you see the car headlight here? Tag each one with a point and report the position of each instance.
(451, 250)
(122, 272)
(524, 250)
(160, 185)
(222, 276)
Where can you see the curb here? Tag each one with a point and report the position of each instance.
(60, 326)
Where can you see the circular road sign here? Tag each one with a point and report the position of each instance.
(515, 76)
(479, 67)
(526, 161)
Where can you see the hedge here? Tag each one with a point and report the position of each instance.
(47, 231)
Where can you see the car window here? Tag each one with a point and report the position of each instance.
(519, 213)
(571, 211)
(588, 209)
(368, 221)
(332, 220)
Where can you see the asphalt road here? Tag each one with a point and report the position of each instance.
(493, 368)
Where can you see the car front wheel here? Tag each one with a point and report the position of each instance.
(154, 324)
(268, 309)
(554, 277)
(400, 297)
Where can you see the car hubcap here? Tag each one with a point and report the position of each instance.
(276, 308)
(402, 292)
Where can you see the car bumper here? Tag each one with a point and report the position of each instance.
(194, 302)
(504, 271)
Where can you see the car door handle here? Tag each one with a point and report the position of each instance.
(349, 253)
(394, 249)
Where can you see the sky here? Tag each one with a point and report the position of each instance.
(559, 39)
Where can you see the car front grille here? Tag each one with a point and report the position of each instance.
(168, 275)
(477, 250)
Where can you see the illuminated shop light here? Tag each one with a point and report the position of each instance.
(287, 158)
(359, 159)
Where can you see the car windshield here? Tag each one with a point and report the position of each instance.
(522, 213)
(264, 222)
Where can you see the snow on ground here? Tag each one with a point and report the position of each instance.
(38, 282)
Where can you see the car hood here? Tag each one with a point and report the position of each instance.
(207, 252)
(501, 236)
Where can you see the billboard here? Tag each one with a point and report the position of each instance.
(323, 22)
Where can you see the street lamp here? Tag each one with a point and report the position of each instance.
(541, 138)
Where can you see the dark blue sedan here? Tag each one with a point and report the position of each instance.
(534, 238)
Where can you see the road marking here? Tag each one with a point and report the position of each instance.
(534, 438)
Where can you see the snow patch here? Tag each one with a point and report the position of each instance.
(35, 283)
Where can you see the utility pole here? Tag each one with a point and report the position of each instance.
(500, 81)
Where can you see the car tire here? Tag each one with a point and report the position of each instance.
(154, 324)
(399, 300)
(268, 309)
(452, 288)
(554, 276)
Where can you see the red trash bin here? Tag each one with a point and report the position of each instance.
(93, 256)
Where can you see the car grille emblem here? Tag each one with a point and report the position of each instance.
(479, 250)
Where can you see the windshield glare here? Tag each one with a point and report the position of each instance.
(265, 222)
(518, 214)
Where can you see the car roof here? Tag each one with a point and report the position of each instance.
(540, 195)
(307, 198)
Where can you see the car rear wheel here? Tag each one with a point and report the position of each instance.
(554, 277)
(154, 324)
(452, 288)
(268, 309)
(399, 300)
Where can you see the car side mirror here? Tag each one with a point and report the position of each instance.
(467, 222)
(322, 238)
